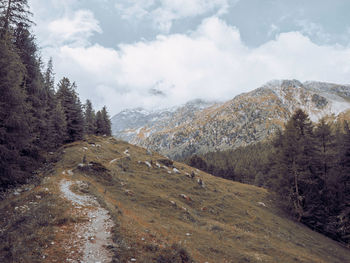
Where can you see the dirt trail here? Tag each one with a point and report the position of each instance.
(93, 235)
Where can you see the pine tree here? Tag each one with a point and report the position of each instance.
(99, 123)
(33, 84)
(89, 118)
(14, 126)
(72, 109)
(343, 183)
(49, 107)
(107, 130)
(58, 126)
(103, 123)
(325, 152)
(12, 14)
(295, 161)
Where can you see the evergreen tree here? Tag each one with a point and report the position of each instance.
(89, 118)
(198, 162)
(99, 123)
(12, 14)
(107, 130)
(49, 107)
(103, 123)
(326, 152)
(295, 161)
(14, 126)
(59, 126)
(343, 183)
(37, 96)
(72, 109)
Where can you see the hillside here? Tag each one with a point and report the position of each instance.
(248, 118)
(102, 199)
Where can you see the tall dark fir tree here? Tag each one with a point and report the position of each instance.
(14, 125)
(90, 118)
(72, 108)
(103, 123)
(14, 13)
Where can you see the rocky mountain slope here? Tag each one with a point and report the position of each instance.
(198, 127)
(104, 200)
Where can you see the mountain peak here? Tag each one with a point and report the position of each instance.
(197, 127)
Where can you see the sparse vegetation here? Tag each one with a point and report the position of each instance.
(27, 226)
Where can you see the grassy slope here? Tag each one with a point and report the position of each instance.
(222, 222)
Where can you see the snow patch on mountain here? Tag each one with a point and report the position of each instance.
(199, 126)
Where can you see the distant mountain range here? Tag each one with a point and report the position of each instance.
(200, 126)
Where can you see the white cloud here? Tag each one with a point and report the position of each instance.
(164, 12)
(210, 63)
(77, 28)
(314, 30)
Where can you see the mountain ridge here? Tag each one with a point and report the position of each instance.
(247, 118)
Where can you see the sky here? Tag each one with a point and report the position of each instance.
(162, 53)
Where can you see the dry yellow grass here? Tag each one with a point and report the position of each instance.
(153, 209)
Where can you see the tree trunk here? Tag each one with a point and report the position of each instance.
(297, 205)
(7, 17)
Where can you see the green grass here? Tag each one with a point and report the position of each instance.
(222, 222)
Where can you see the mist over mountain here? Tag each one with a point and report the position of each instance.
(200, 127)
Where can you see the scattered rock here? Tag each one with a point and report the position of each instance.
(70, 172)
(173, 203)
(133, 260)
(176, 171)
(262, 204)
(113, 161)
(166, 162)
(158, 165)
(148, 164)
(200, 182)
(187, 198)
(85, 148)
(129, 192)
(190, 175)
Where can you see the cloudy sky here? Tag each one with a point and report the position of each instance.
(159, 53)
